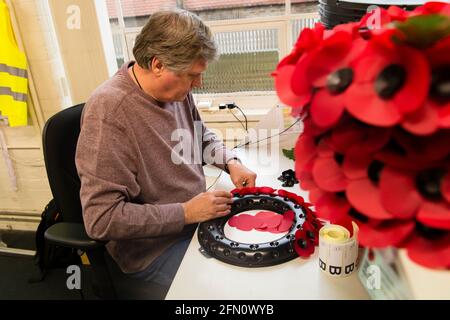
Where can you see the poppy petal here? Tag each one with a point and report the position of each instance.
(399, 194)
(356, 163)
(299, 83)
(304, 150)
(422, 122)
(390, 234)
(283, 81)
(328, 175)
(445, 187)
(415, 90)
(363, 103)
(365, 198)
(315, 194)
(435, 215)
(327, 109)
(332, 208)
(307, 249)
(430, 253)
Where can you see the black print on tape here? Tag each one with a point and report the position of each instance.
(335, 270)
(349, 268)
(322, 265)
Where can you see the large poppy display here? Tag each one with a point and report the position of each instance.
(376, 144)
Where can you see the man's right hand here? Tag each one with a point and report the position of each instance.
(207, 205)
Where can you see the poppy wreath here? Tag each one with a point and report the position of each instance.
(376, 142)
(300, 240)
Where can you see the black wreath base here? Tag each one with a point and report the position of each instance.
(216, 244)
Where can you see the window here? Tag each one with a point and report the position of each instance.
(252, 36)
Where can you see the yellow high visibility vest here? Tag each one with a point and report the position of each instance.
(13, 73)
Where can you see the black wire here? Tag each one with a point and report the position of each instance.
(245, 117)
(240, 121)
(278, 134)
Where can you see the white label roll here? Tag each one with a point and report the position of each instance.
(338, 253)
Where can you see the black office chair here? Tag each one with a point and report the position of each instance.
(60, 138)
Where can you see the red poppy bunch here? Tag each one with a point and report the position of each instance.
(306, 238)
(376, 143)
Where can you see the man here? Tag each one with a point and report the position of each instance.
(133, 193)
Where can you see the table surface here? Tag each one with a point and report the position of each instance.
(202, 278)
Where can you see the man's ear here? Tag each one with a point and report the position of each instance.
(156, 66)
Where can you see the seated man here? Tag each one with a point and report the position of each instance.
(136, 191)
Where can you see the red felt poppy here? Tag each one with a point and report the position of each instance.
(305, 150)
(292, 196)
(431, 253)
(432, 7)
(399, 194)
(389, 81)
(283, 79)
(356, 164)
(302, 245)
(311, 232)
(365, 197)
(445, 187)
(416, 195)
(349, 133)
(435, 112)
(332, 208)
(435, 215)
(424, 121)
(306, 41)
(415, 152)
(328, 70)
(286, 222)
(390, 233)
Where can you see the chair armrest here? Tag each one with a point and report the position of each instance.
(72, 235)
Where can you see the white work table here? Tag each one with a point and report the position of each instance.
(202, 278)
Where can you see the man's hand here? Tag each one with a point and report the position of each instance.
(240, 175)
(207, 206)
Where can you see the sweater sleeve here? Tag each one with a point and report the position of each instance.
(214, 150)
(107, 171)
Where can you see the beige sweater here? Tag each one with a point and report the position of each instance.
(131, 189)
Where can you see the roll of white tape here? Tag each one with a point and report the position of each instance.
(338, 252)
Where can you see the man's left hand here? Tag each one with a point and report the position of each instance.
(240, 175)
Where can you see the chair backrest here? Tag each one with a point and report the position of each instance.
(60, 138)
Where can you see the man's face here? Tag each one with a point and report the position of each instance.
(175, 86)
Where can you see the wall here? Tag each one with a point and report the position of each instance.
(21, 209)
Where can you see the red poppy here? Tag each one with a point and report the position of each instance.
(432, 7)
(327, 70)
(292, 196)
(431, 253)
(416, 195)
(326, 169)
(253, 190)
(382, 235)
(350, 133)
(389, 81)
(334, 209)
(302, 244)
(312, 232)
(406, 151)
(435, 112)
(308, 39)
